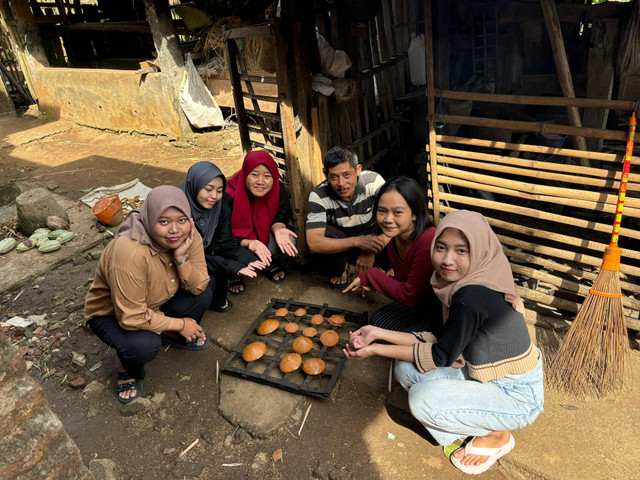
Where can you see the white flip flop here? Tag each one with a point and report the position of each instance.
(494, 455)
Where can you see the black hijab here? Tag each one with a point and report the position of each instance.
(206, 220)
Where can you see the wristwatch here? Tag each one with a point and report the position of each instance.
(186, 259)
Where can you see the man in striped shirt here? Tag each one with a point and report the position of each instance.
(341, 221)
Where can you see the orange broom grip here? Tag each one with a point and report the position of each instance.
(633, 122)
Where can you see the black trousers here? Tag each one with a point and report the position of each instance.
(333, 264)
(135, 348)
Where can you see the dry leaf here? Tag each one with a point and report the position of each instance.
(277, 455)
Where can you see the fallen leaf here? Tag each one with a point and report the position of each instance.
(96, 366)
(569, 407)
(87, 190)
(277, 455)
(186, 377)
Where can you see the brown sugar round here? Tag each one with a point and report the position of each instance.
(290, 362)
(310, 332)
(317, 319)
(314, 366)
(268, 326)
(329, 338)
(291, 327)
(254, 351)
(336, 320)
(302, 345)
(301, 312)
(281, 312)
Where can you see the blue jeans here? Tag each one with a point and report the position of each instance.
(451, 405)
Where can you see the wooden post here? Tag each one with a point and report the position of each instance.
(600, 73)
(292, 162)
(433, 155)
(169, 54)
(562, 65)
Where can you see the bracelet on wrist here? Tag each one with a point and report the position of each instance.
(186, 259)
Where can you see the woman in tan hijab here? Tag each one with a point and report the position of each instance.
(482, 377)
(150, 287)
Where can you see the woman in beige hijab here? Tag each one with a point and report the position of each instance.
(150, 287)
(482, 377)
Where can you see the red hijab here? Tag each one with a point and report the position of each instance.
(252, 217)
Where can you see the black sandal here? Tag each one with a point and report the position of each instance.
(271, 271)
(340, 285)
(182, 343)
(236, 282)
(135, 384)
(222, 309)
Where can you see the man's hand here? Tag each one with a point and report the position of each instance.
(372, 243)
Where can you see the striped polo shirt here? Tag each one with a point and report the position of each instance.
(354, 218)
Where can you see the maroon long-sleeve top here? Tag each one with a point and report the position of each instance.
(410, 283)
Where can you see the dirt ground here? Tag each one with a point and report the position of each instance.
(358, 433)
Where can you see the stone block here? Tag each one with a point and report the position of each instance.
(8, 193)
(34, 206)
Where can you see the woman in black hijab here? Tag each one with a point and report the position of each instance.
(204, 185)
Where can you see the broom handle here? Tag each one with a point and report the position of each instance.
(625, 177)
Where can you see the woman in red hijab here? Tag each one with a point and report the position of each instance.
(261, 215)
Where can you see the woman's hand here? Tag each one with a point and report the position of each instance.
(363, 336)
(181, 251)
(283, 239)
(359, 354)
(191, 329)
(261, 250)
(355, 286)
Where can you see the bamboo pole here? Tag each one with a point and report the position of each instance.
(600, 207)
(564, 254)
(565, 284)
(524, 172)
(533, 189)
(556, 237)
(599, 173)
(536, 214)
(625, 106)
(562, 66)
(433, 154)
(541, 127)
(523, 147)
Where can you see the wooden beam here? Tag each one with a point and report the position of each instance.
(562, 67)
(433, 154)
(252, 31)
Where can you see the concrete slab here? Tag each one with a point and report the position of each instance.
(20, 268)
(259, 409)
(36, 129)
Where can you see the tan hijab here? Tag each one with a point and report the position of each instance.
(488, 265)
(140, 223)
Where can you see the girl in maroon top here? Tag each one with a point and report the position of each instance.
(401, 213)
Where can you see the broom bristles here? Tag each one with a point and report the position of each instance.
(591, 360)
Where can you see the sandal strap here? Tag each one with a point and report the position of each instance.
(124, 376)
(125, 387)
(469, 449)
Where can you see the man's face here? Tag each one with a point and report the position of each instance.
(343, 179)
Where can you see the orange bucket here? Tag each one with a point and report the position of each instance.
(109, 210)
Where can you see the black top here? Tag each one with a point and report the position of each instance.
(482, 326)
(224, 255)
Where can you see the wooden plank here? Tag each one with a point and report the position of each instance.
(609, 175)
(380, 67)
(222, 92)
(267, 146)
(230, 48)
(524, 147)
(262, 131)
(600, 73)
(262, 98)
(361, 141)
(588, 225)
(433, 154)
(621, 105)
(538, 127)
(263, 30)
(259, 79)
(562, 68)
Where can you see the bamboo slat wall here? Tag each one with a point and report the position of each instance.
(552, 208)
(367, 122)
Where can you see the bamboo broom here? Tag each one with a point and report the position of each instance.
(591, 360)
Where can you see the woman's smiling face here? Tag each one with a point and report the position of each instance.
(171, 229)
(259, 182)
(451, 256)
(211, 193)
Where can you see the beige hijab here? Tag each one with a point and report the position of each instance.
(488, 267)
(140, 223)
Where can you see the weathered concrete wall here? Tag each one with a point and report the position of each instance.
(33, 443)
(113, 99)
